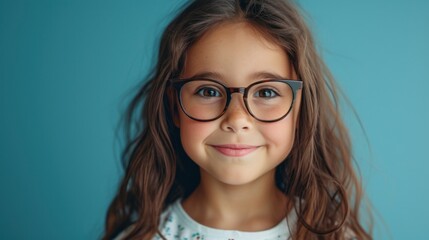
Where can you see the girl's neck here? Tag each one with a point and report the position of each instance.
(254, 206)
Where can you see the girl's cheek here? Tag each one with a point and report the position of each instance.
(279, 134)
(194, 132)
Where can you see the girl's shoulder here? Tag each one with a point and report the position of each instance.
(124, 233)
(166, 216)
(168, 219)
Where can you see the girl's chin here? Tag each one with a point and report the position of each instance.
(238, 177)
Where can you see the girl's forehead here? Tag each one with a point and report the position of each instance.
(236, 50)
(236, 31)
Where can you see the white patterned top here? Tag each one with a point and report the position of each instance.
(176, 224)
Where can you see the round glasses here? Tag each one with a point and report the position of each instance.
(207, 99)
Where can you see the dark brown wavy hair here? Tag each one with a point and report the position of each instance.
(318, 171)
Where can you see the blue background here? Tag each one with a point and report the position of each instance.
(66, 69)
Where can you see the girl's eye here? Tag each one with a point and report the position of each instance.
(266, 93)
(208, 92)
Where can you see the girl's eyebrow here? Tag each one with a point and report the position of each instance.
(257, 75)
(208, 74)
(267, 75)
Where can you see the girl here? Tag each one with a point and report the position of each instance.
(237, 134)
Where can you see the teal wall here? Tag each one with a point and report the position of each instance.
(67, 66)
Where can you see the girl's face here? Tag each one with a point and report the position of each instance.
(237, 55)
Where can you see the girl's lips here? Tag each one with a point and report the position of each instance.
(234, 150)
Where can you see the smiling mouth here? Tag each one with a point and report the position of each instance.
(232, 150)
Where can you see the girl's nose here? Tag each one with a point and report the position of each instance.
(236, 117)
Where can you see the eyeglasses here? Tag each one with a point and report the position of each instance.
(206, 100)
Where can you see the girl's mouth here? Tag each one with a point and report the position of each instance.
(235, 150)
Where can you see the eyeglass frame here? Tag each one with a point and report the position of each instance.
(178, 83)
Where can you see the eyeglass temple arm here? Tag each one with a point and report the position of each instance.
(295, 84)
